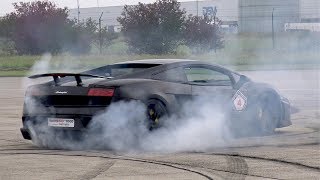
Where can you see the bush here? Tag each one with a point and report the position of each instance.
(7, 48)
(183, 51)
(118, 48)
(203, 34)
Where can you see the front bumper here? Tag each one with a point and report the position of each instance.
(286, 113)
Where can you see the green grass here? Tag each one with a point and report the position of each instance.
(13, 73)
(19, 63)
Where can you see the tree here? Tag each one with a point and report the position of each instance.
(108, 36)
(6, 32)
(153, 28)
(39, 27)
(203, 33)
(7, 26)
(83, 35)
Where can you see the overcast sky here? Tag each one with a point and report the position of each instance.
(6, 5)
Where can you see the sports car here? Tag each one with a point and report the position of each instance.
(70, 100)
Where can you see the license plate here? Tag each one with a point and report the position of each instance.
(60, 122)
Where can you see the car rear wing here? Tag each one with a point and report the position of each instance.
(57, 76)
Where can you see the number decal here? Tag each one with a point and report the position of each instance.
(239, 101)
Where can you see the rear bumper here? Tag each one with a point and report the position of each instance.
(41, 123)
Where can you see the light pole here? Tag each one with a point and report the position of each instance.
(272, 29)
(197, 8)
(100, 35)
(78, 10)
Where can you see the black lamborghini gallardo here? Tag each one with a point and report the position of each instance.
(69, 101)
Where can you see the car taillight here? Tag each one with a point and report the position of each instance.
(100, 92)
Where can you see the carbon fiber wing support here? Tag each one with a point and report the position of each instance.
(57, 76)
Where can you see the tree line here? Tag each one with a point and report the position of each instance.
(158, 28)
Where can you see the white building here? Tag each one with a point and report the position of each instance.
(231, 12)
(310, 11)
(226, 11)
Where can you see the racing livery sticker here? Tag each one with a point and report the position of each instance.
(239, 101)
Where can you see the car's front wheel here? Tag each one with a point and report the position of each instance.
(266, 115)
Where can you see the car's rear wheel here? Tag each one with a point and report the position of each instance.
(156, 114)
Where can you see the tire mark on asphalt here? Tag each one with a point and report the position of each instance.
(164, 163)
(237, 165)
(175, 166)
(276, 145)
(234, 171)
(269, 159)
(99, 169)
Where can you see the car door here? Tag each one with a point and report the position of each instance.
(210, 83)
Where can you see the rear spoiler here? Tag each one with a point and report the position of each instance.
(57, 76)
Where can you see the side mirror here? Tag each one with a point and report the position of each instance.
(241, 81)
(244, 78)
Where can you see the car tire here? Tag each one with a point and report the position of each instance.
(266, 115)
(156, 114)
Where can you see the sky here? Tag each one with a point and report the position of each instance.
(6, 5)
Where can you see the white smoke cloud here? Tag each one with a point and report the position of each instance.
(203, 126)
(123, 127)
(41, 66)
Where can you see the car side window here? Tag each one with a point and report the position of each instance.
(206, 76)
(172, 75)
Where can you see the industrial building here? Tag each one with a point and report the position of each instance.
(310, 11)
(226, 11)
(267, 15)
(236, 15)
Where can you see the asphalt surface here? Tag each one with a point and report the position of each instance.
(292, 153)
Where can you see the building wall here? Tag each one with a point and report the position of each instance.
(310, 10)
(256, 15)
(227, 11)
(250, 15)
